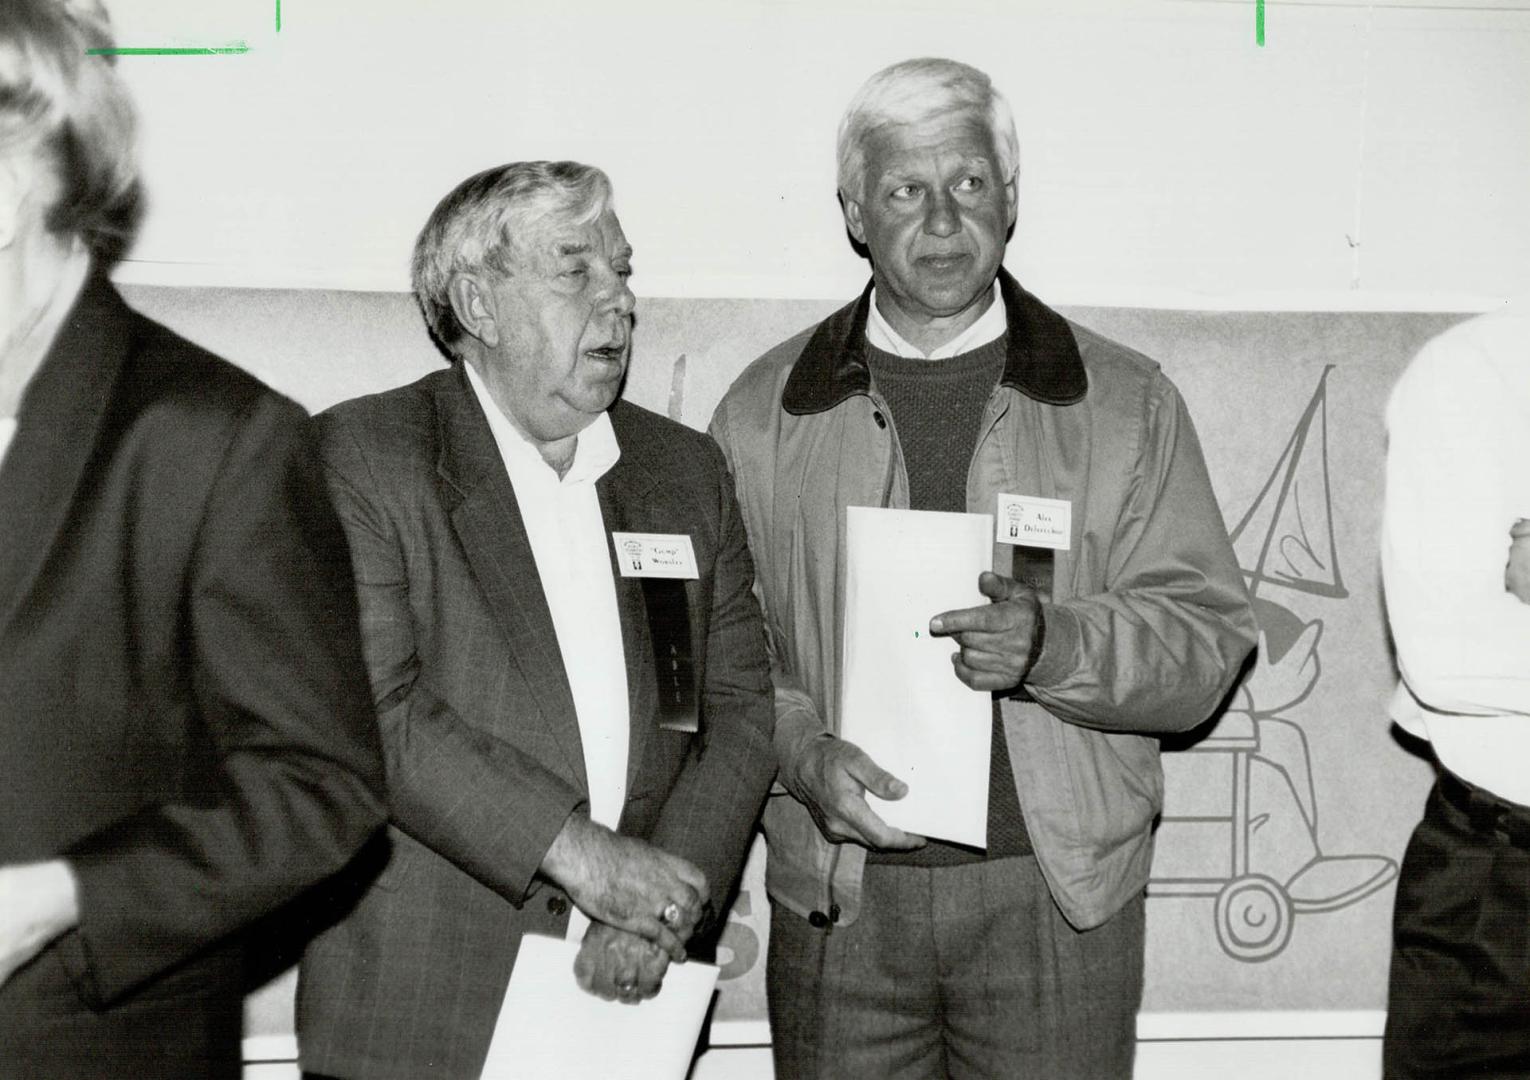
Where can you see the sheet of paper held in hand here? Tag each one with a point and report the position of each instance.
(549, 1028)
(901, 700)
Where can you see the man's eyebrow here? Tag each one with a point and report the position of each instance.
(573, 249)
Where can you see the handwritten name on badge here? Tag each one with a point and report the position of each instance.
(1032, 521)
(655, 555)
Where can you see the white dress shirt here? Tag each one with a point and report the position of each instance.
(989, 327)
(1458, 476)
(568, 539)
(7, 433)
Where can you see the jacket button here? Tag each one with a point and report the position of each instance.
(817, 920)
(834, 914)
(879, 418)
(557, 905)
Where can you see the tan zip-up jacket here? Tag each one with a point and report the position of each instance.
(1147, 628)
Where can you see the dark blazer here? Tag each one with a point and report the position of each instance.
(185, 716)
(482, 743)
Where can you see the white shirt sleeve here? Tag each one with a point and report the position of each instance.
(1457, 477)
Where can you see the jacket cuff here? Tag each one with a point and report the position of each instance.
(1059, 651)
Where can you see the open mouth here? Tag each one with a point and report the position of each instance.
(611, 354)
(943, 263)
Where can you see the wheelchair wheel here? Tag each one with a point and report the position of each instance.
(1253, 916)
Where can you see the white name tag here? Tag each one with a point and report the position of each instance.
(1034, 522)
(661, 555)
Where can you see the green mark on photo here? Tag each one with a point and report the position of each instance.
(1258, 22)
(233, 48)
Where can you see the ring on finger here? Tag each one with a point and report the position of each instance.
(670, 916)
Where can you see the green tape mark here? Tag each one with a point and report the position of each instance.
(1258, 22)
(278, 16)
(236, 48)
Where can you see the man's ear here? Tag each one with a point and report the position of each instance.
(473, 302)
(1012, 198)
(852, 211)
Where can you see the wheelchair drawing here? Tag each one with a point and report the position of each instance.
(1240, 821)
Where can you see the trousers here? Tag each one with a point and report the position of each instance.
(964, 972)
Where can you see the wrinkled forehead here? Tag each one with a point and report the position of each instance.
(556, 235)
(961, 134)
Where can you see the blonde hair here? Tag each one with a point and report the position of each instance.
(70, 109)
(912, 91)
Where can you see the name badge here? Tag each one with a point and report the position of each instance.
(655, 555)
(1032, 521)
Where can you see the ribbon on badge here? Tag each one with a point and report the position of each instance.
(1031, 566)
(674, 665)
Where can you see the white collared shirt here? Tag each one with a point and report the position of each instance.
(7, 433)
(1458, 476)
(568, 539)
(989, 327)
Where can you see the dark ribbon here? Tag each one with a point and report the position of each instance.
(1031, 566)
(674, 665)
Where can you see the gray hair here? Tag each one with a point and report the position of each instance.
(479, 224)
(71, 109)
(912, 91)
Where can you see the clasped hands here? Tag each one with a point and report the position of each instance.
(831, 776)
(644, 904)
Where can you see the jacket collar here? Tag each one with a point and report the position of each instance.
(489, 524)
(1042, 359)
(64, 414)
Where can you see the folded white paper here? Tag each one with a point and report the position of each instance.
(901, 701)
(549, 1029)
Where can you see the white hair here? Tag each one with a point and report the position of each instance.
(912, 91)
(478, 224)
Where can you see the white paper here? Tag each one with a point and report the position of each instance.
(901, 701)
(549, 1029)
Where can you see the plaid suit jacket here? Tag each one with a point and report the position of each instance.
(482, 743)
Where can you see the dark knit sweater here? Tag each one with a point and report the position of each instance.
(937, 408)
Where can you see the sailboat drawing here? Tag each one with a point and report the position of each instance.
(1255, 847)
(1286, 537)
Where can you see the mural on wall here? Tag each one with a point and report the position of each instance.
(1240, 824)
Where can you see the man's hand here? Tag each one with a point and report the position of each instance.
(995, 639)
(831, 779)
(1516, 575)
(38, 902)
(627, 883)
(619, 966)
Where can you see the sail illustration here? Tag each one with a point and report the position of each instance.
(1287, 536)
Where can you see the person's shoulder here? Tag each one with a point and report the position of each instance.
(1494, 343)
(1108, 359)
(1123, 382)
(765, 377)
(170, 377)
(400, 417)
(660, 441)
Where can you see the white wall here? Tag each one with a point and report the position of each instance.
(1367, 156)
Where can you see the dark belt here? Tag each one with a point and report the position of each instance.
(1487, 812)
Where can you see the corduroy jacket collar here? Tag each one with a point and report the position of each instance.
(1042, 359)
